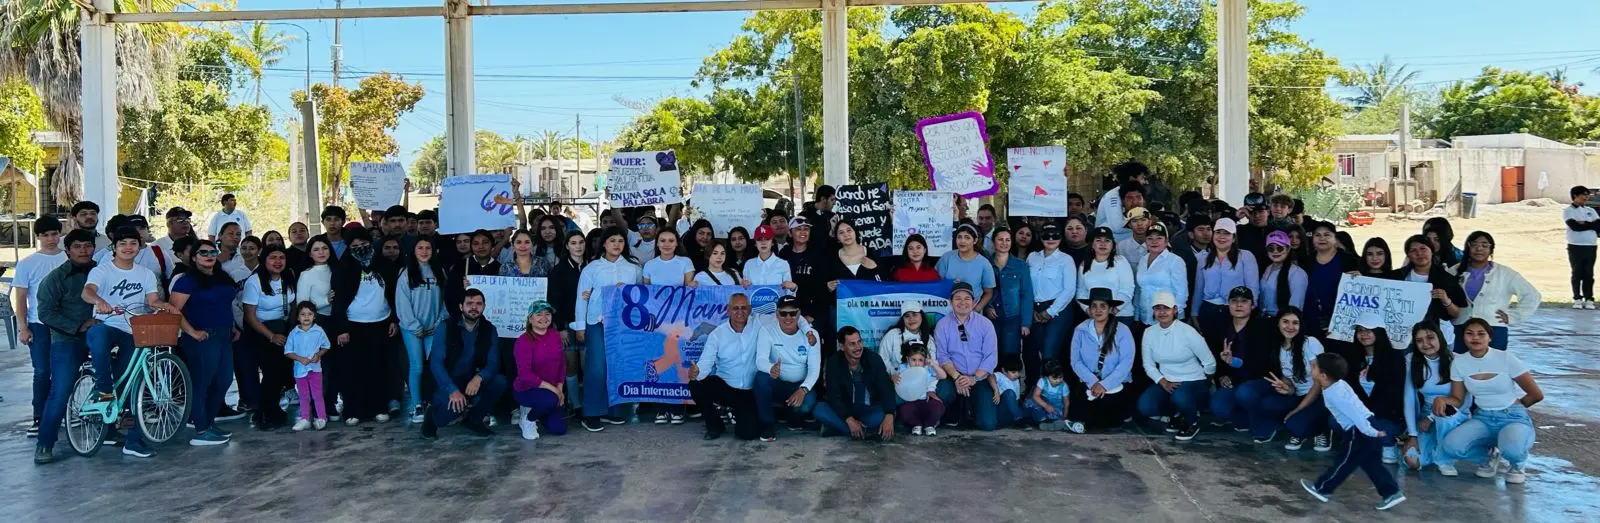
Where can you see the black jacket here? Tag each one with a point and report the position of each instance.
(1441, 279)
(1388, 376)
(563, 291)
(841, 391)
(347, 282)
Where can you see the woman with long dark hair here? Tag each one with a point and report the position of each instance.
(1054, 274)
(1325, 267)
(1428, 381)
(1226, 267)
(419, 308)
(1422, 265)
(912, 327)
(1104, 269)
(850, 261)
(1286, 395)
(268, 299)
(1012, 308)
(1500, 434)
(612, 266)
(1026, 240)
(669, 266)
(204, 295)
(1377, 375)
(563, 292)
(1376, 260)
(547, 238)
(1102, 360)
(365, 323)
(1283, 282)
(740, 247)
(697, 240)
(717, 269)
(1441, 236)
(1490, 287)
(524, 261)
(914, 263)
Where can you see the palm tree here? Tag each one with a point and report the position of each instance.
(39, 41)
(264, 48)
(1379, 81)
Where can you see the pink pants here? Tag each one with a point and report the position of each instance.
(310, 388)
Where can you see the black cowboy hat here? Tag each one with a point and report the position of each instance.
(1101, 294)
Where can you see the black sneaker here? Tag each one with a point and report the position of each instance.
(113, 437)
(592, 424)
(43, 455)
(229, 414)
(33, 428)
(1174, 425)
(477, 428)
(1187, 431)
(430, 430)
(769, 434)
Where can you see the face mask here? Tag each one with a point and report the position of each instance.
(363, 254)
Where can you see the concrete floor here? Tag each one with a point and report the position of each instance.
(384, 472)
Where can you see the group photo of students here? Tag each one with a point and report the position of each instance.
(1196, 318)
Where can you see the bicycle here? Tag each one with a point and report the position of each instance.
(156, 383)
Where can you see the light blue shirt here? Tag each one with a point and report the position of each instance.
(305, 343)
(1268, 300)
(1118, 366)
(978, 271)
(1053, 394)
(1212, 284)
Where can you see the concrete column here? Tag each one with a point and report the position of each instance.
(1233, 100)
(835, 92)
(99, 109)
(311, 162)
(460, 155)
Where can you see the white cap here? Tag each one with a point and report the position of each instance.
(1226, 224)
(1164, 299)
(910, 306)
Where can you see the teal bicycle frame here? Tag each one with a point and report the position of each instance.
(124, 389)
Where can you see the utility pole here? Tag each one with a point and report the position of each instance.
(799, 134)
(338, 50)
(1403, 176)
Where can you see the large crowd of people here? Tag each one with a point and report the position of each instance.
(1186, 316)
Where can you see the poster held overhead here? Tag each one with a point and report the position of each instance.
(866, 207)
(476, 201)
(1038, 186)
(377, 185)
(644, 178)
(728, 206)
(956, 150)
(929, 213)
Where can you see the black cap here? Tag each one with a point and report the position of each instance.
(960, 287)
(179, 212)
(1102, 232)
(1255, 200)
(1049, 230)
(788, 302)
(1241, 293)
(134, 220)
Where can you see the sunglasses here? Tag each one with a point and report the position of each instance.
(207, 252)
(1276, 248)
(647, 225)
(1049, 237)
(788, 314)
(963, 330)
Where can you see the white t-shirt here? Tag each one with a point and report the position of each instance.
(220, 218)
(268, 308)
(639, 248)
(369, 305)
(771, 271)
(667, 272)
(1582, 214)
(1490, 379)
(236, 268)
(122, 288)
(723, 278)
(1310, 351)
(146, 258)
(31, 272)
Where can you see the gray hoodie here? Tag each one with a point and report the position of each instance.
(419, 307)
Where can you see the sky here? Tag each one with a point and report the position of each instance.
(537, 73)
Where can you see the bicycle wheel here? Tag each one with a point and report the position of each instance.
(86, 433)
(162, 404)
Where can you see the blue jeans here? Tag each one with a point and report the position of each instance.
(1499, 338)
(65, 357)
(417, 351)
(1047, 339)
(1225, 405)
(870, 417)
(1040, 415)
(1009, 411)
(39, 352)
(210, 371)
(979, 406)
(1267, 408)
(1509, 429)
(596, 396)
(767, 390)
(1430, 448)
(489, 393)
(101, 338)
(1184, 400)
(1009, 334)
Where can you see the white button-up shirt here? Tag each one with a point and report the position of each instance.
(598, 275)
(771, 271)
(1055, 277)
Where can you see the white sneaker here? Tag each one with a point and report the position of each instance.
(1489, 470)
(1588, 304)
(1578, 305)
(916, 431)
(530, 429)
(1294, 444)
(1324, 443)
(1075, 427)
(1448, 470)
(930, 431)
(320, 424)
(303, 424)
(352, 421)
(381, 418)
(1515, 476)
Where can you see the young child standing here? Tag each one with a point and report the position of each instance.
(306, 345)
(915, 382)
(1049, 402)
(1007, 385)
(1582, 222)
(1363, 443)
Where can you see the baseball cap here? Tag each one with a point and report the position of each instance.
(1136, 213)
(1241, 293)
(179, 212)
(962, 287)
(1157, 229)
(1255, 200)
(798, 222)
(1278, 238)
(763, 232)
(1102, 232)
(539, 305)
(1226, 224)
(1164, 299)
(136, 221)
(1050, 231)
(910, 306)
(788, 302)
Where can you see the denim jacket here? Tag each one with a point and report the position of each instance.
(1014, 291)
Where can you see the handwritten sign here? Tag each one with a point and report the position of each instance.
(956, 151)
(1038, 186)
(1400, 305)
(508, 299)
(377, 185)
(729, 206)
(866, 207)
(644, 178)
(929, 213)
(477, 201)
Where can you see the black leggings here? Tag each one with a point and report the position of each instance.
(365, 366)
(1582, 259)
(276, 374)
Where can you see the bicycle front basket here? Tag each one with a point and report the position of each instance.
(155, 330)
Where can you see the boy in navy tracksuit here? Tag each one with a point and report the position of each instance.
(1363, 444)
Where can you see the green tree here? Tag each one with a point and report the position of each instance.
(1499, 102)
(355, 124)
(431, 166)
(20, 115)
(1377, 83)
(265, 48)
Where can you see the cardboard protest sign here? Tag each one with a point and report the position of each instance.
(507, 299)
(1400, 305)
(377, 186)
(956, 151)
(866, 207)
(655, 332)
(477, 201)
(1038, 186)
(644, 178)
(728, 206)
(929, 213)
